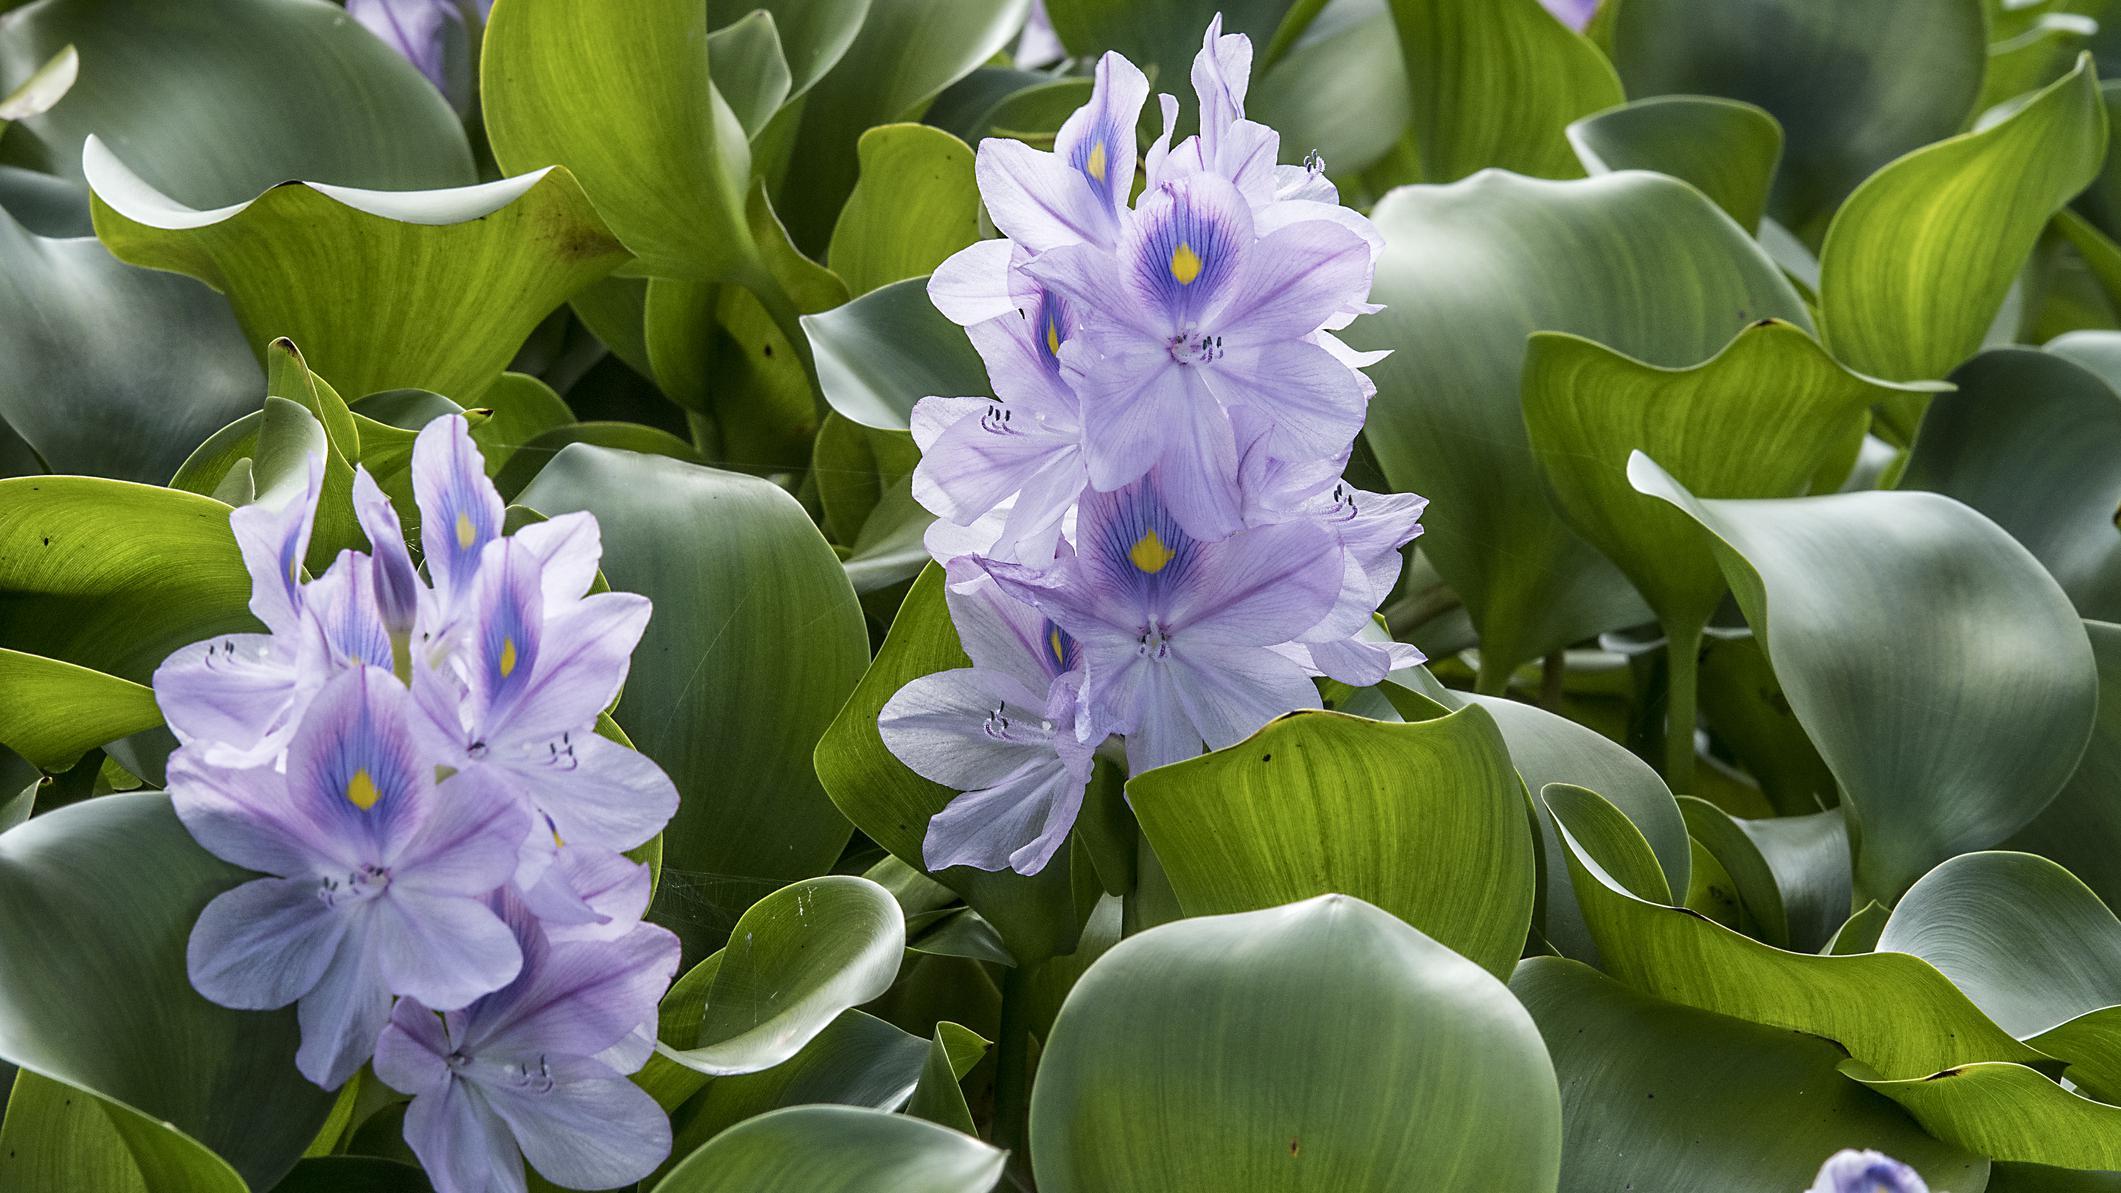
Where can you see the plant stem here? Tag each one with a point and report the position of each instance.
(1682, 668)
(1552, 672)
(1493, 679)
(1012, 1075)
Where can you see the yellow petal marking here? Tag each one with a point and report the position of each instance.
(1053, 641)
(508, 657)
(361, 790)
(1185, 264)
(1052, 337)
(465, 531)
(1096, 164)
(1149, 553)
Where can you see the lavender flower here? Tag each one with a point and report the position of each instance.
(1003, 731)
(1574, 13)
(420, 31)
(1156, 487)
(1193, 316)
(377, 877)
(399, 759)
(528, 1073)
(1851, 1171)
(519, 704)
(1177, 634)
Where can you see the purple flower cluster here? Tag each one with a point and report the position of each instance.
(1851, 1171)
(414, 767)
(1146, 531)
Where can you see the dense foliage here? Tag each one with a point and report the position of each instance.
(1301, 596)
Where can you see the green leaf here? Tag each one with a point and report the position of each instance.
(907, 53)
(43, 89)
(814, 34)
(881, 353)
(1037, 916)
(529, 459)
(1657, 1098)
(2035, 56)
(1727, 149)
(523, 409)
(1823, 582)
(1892, 1011)
(1497, 83)
(1209, 1054)
(939, 1096)
(1791, 872)
(623, 99)
(114, 576)
(52, 712)
(1345, 62)
(2033, 441)
(1424, 820)
(1854, 84)
(2082, 828)
(1640, 263)
(1917, 261)
(1547, 748)
(749, 71)
(2009, 1112)
(856, 1060)
(836, 1149)
(354, 1174)
(492, 261)
(795, 960)
(1161, 36)
(2032, 946)
(914, 205)
(112, 371)
(58, 1138)
(120, 1019)
(756, 639)
(1759, 419)
(302, 93)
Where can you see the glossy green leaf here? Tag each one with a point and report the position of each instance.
(492, 260)
(881, 353)
(856, 1060)
(303, 93)
(1657, 1098)
(755, 640)
(1160, 35)
(836, 1149)
(1345, 61)
(1548, 748)
(1892, 1011)
(795, 960)
(914, 205)
(44, 88)
(1497, 83)
(1425, 820)
(1637, 262)
(51, 712)
(1209, 1054)
(749, 69)
(1917, 261)
(114, 576)
(1854, 84)
(112, 371)
(1037, 916)
(2035, 56)
(120, 1020)
(1759, 419)
(1791, 872)
(1726, 148)
(1823, 582)
(2033, 440)
(1749, 715)
(622, 98)
(2009, 1112)
(814, 34)
(58, 1139)
(2082, 828)
(2032, 946)
(906, 54)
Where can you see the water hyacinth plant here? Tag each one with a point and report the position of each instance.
(944, 596)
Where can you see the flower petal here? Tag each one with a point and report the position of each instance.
(972, 285)
(967, 728)
(460, 510)
(274, 540)
(595, 791)
(1037, 199)
(464, 1146)
(264, 944)
(341, 1017)
(443, 950)
(593, 1130)
(1017, 824)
